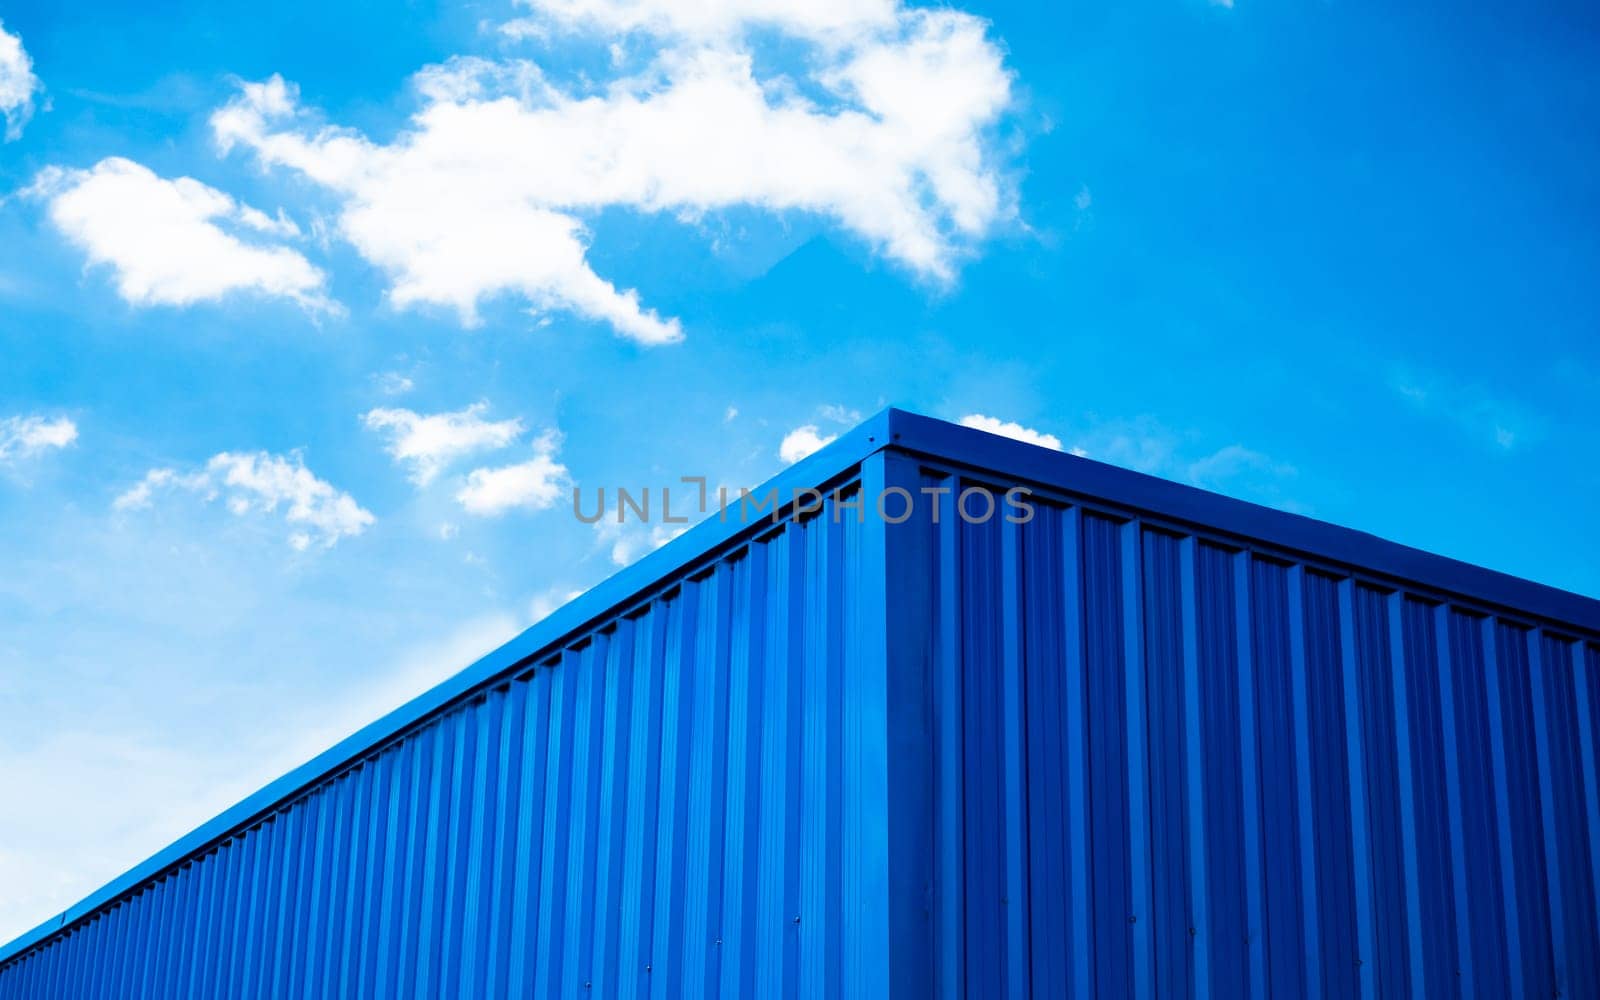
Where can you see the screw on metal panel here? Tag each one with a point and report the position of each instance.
(1192, 932)
(1005, 900)
(719, 942)
(647, 966)
(797, 920)
(588, 985)
(1358, 962)
(1133, 918)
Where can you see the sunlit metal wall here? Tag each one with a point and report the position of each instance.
(658, 807)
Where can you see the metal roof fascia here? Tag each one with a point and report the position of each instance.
(980, 452)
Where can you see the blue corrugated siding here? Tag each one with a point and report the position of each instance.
(1222, 771)
(655, 808)
(1144, 745)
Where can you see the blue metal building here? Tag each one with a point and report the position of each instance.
(1147, 742)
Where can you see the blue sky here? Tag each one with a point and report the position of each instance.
(305, 335)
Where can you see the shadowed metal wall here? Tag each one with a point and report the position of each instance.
(1176, 764)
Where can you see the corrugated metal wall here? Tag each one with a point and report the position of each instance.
(658, 808)
(1170, 766)
(1098, 754)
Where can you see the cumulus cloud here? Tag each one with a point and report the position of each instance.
(175, 242)
(24, 437)
(429, 443)
(262, 483)
(802, 442)
(994, 425)
(535, 484)
(882, 126)
(17, 84)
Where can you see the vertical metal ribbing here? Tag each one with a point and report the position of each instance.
(1452, 772)
(1249, 771)
(1586, 745)
(1307, 815)
(1399, 669)
(609, 831)
(815, 740)
(881, 955)
(1554, 886)
(547, 969)
(509, 819)
(1014, 762)
(543, 710)
(1502, 793)
(1140, 859)
(1201, 935)
(678, 681)
(950, 886)
(481, 844)
(746, 698)
(644, 742)
(311, 922)
(588, 681)
(777, 815)
(1076, 739)
(707, 731)
(1361, 856)
(339, 865)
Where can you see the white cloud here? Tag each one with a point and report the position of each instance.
(17, 84)
(548, 600)
(393, 383)
(885, 132)
(429, 443)
(627, 543)
(261, 482)
(174, 242)
(1231, 463)
(803, 441)
(840, 414)
(25, 437)
(832, 21)
(534, 485)
(995, 425)
(1478, 411)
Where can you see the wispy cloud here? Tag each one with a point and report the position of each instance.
(1146, 445)
(393, 383)
(176, 242)
(429, 443)
(885, 131)
(261, 483)
(26, 436)
(17, 84)
(626, 543)
(1482, 415)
